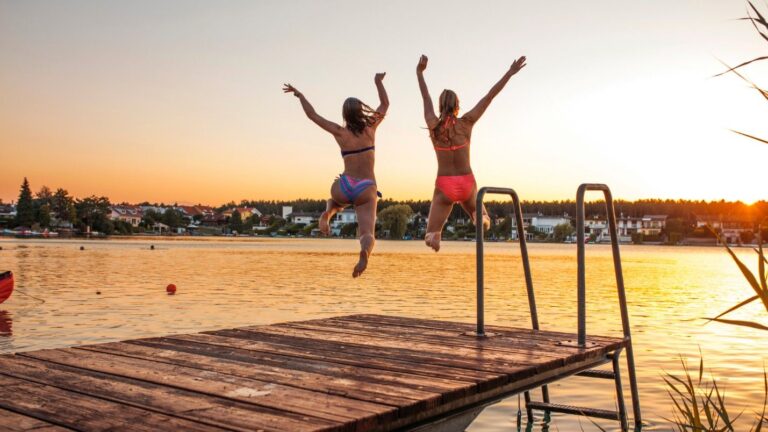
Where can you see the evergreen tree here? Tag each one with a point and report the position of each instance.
(44, 216)
(236, 222)
(25, 210)
(63, 206)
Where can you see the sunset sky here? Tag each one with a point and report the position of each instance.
(181, 101)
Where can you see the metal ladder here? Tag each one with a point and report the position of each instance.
(545, 405)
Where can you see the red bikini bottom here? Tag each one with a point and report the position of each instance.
(456, 188)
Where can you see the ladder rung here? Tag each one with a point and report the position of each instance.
(598, 373)
(568, 409)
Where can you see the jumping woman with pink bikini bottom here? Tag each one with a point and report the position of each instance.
(450, 137)
(357, 184)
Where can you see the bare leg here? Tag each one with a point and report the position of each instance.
(470, 207)
(331, 208)
(438, 213)
(365, 208)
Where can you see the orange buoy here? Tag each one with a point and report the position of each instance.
(6, 285)
(170, 289)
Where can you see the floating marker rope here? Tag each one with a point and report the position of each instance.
(29, 295)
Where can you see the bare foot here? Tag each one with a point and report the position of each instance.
(433, 240)
(361, 265)
(323, 225)
(486, 222)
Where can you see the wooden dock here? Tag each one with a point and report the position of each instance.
(350, 373)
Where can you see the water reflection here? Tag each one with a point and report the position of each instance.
(6, 324)
(229, 283)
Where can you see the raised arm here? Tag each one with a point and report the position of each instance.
(429, 109)
(383, 98)
(475, 113)
(327, 125)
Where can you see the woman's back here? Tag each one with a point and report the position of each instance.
(451, 143)
(358, 152)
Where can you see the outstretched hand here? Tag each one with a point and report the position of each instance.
(379, 77)
(422, 63)
(517, 65)
(287, 88)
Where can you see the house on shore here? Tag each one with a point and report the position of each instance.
(245, 212)
(344, 217)
(126, 213)
(527, 218)
(653, 225)
(534, 223)
(648, 225)
(303, 218)
(546, 224)
(156, 209)
(419, 222)
(7, 212)
(596, 229)
(732, 229)
(628, 226)
(198, 213)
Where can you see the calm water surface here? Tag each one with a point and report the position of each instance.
(231, 282)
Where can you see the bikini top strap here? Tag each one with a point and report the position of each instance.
(351, 152)
(451, 148)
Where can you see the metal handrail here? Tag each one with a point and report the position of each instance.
(480, 262)
(582, 285)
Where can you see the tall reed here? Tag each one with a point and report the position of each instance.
(700, 404)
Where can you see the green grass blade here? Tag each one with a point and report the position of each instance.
(759, 19)
(751, 324)
(762, 92)
(761, 260)
(744, 303)
(742, 65)
(765, 258)
(745, 271)
(750, 136)
(692, 391)
(761, 418)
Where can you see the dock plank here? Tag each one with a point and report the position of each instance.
(358, 373)
(164, 381)
(85, 413)
(468, 327)
(14, 422)
(366, 351)
(482, 359)
(323, 353)
(212, 359)
(447, 338)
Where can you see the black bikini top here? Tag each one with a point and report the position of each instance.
(351, 152)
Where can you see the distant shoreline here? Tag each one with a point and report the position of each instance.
(247, 238)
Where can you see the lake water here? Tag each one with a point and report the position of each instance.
(226, 283)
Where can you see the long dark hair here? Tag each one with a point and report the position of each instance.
(358, 115)
(449, 110)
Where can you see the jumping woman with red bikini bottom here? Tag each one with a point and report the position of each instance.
(450, 136)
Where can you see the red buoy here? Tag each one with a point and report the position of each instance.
(6, 285)
(170, 289)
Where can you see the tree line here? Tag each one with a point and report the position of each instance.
(49, 208)
(687, 210)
